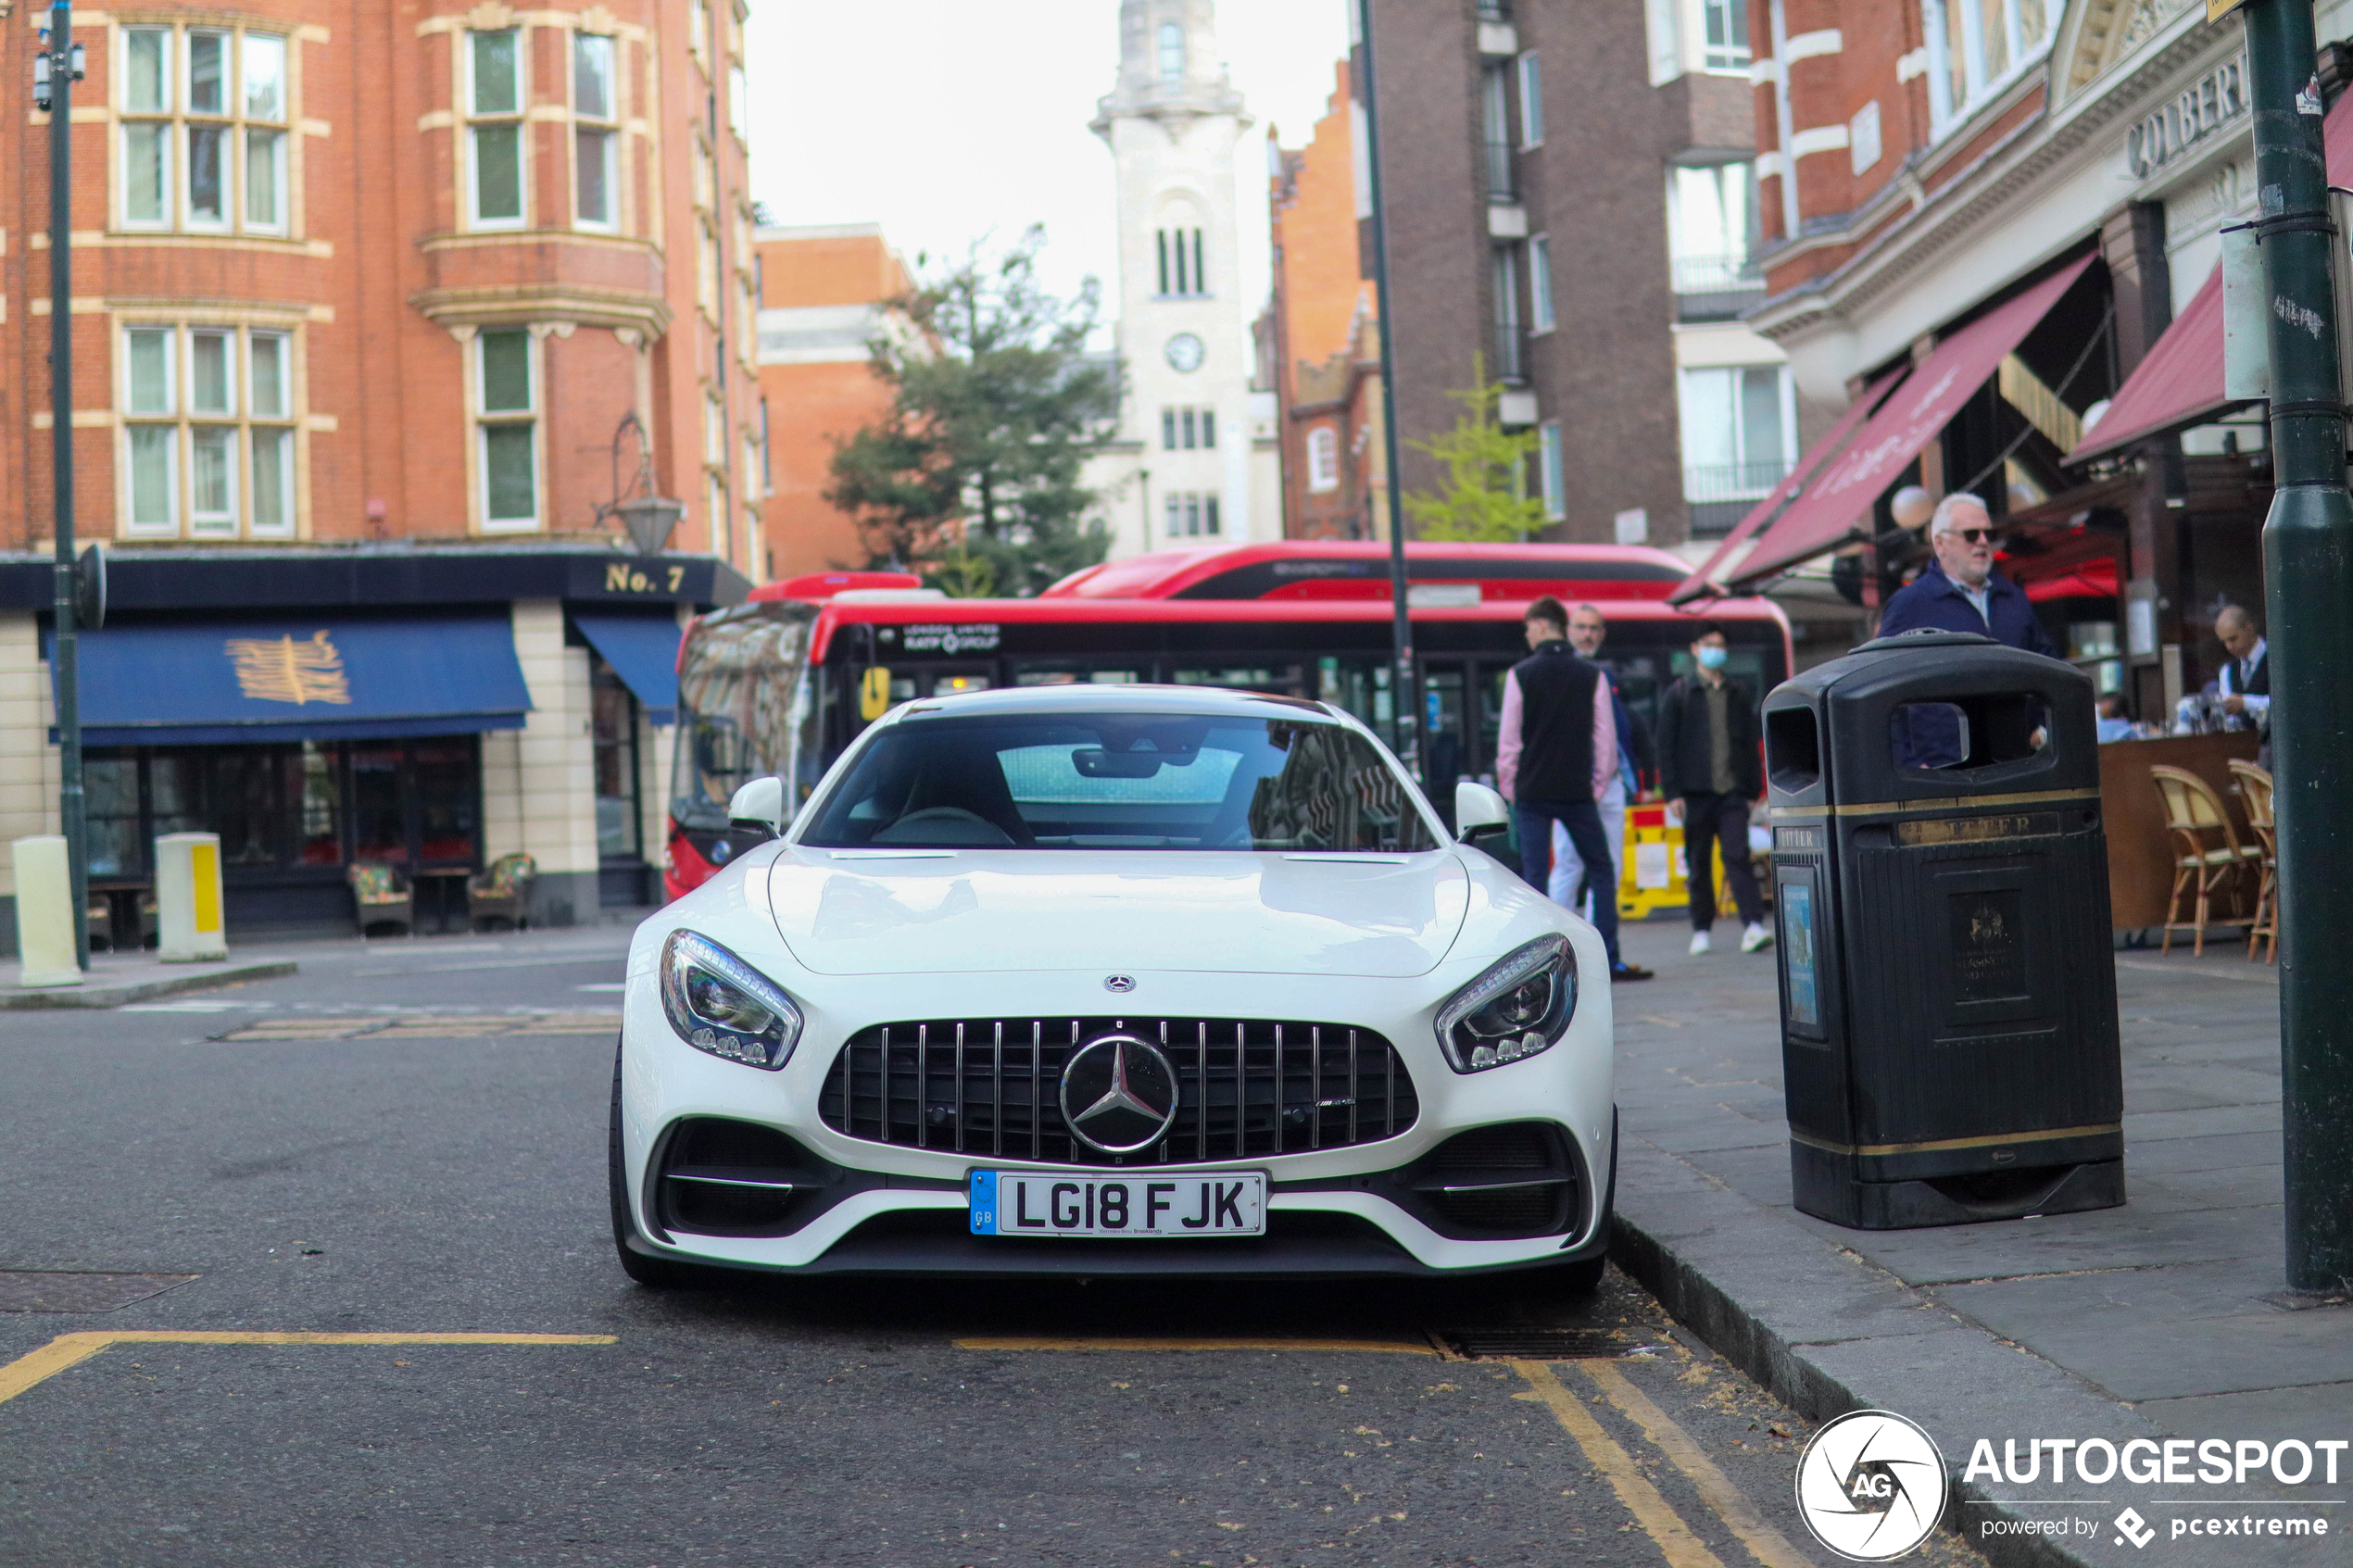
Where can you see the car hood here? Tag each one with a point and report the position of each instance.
(864, 913)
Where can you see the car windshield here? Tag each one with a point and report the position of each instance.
(1120, 781)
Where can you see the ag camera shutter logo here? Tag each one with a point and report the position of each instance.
(1871, 1486)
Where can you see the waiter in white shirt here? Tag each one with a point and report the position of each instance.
(2245, 681)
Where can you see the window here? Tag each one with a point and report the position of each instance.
(739, 105)
(1975, 46)
(1724, 35)
(1710, 224)
(596, 132)
(203, 129)
(699, 31)
(1184, 261)
(1192, 514)
(1323, 460)
(1737, 431)
(1553, 476)
(493, 105)
(613, 743)
(1511, 345)
(507, 388)
(1495, 116)
(1172, 55)
(1531, 102)
(1540, 284)
(207, 431)
(1188, 430)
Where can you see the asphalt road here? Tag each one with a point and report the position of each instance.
(407, 1140)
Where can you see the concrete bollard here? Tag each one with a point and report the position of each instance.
(188, 922)
(45, 913)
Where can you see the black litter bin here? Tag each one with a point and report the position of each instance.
(1948, 995)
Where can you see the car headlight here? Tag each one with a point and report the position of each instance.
(1520, 1005)
(719, 1004)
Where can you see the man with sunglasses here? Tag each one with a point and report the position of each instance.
(1960, 591)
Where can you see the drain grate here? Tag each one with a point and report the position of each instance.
(57, 1290)
(1533, 1344)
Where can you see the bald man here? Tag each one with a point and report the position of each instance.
(2246, 681)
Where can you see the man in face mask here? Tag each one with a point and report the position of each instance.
(1710, 768)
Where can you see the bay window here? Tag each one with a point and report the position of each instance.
(201, 131)
(207, 447)
(596, 132)
(494, 132)
(508, 389)
(1978, 46)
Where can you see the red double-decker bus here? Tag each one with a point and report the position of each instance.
(783, 683)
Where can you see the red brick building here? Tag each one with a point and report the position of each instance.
(352, 280)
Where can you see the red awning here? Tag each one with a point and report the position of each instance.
(2178, 383)
(2096, 581)
(1840, 499)
(1703, 581)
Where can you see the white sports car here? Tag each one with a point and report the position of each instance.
(1107, 980)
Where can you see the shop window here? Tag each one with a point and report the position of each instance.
(1977, 47)
(493, 132)
(110, 806)
(207, 431)
(447, 775)
(596, 134)
(614, 728)
(508, 392)
(201, 132)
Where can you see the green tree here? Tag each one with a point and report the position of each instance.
(1485, 496)
(972, 479)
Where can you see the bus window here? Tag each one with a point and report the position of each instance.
(1448, 759)
(1062, 673)
(1358, 686)
(1281, 680)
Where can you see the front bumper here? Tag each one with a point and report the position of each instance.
(877, 1207)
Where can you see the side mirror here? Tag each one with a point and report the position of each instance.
(1478, 809)
(760, 806)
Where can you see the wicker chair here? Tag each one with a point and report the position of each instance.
(2255, 794)
(503, 892)
(380, 895)
(2211, 855)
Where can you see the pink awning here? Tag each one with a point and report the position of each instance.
(1839, 501)
(1703, 581)
(2178, 383)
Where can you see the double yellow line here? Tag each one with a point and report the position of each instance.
(72, 1349)
(1675, 1539)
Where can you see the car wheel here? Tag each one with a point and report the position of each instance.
(657, 1273)
(1577, 1280)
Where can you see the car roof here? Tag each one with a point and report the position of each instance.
(1127, 697)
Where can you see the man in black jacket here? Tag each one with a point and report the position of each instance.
(1556, 753)
(1708, 768)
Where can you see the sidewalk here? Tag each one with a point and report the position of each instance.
(116, 978)
(2158, 1319)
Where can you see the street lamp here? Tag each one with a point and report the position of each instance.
(1408, 729)
(648, 517)
(54, 70)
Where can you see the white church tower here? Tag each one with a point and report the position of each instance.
(1197, 459)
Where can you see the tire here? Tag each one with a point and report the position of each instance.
(655, 1273)
(1577, 1280)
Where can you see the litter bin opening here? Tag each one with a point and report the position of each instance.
(1792, 749)
(1969, 731)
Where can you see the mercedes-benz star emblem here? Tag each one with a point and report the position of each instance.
(1118, 1093)
(1119, 984)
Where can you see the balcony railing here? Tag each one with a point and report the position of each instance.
(1502, 177)
(1731, 273)
(1733, 482)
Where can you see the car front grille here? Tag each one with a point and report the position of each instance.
(1245, 1087)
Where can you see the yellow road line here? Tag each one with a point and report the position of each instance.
(1380, 1346)
(1731, 1504)
(1666, 1528)
(67, 1350)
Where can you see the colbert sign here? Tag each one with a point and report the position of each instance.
(2205, 107)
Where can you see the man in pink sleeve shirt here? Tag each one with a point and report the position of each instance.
(1557, 754)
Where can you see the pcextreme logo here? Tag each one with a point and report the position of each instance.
(1871, 1486)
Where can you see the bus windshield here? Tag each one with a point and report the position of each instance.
(1121, 780)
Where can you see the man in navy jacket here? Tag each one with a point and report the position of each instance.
(1960, 591)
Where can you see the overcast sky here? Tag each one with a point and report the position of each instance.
(945, 119)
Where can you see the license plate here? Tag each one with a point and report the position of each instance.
(1091, 1203)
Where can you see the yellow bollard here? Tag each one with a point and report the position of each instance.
(188, 922)
(45, 913)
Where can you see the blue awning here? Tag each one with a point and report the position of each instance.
(644, 652)
(253, 681)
